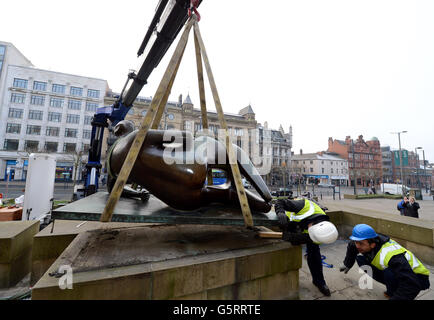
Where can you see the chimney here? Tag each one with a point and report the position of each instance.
(180, 100)
(301, 151)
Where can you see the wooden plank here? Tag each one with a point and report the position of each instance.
(162, 106)
(202, 97)
(245, 209)
(201, 84)
(270, 234)
(143, 131)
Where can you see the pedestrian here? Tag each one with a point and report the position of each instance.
(412, 208)
(401, 206)
(392, 265)
(304, 222)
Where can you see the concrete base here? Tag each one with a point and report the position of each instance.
(16, 240)
(175, 262)
(49, 243)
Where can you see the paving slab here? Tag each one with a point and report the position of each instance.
(346, 286)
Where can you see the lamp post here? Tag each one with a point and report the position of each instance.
(400, 158)
(354, 167)
(418, 165)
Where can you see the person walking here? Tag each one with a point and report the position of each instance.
(392, 265)
(412, 208)
(402, 206)
(304, 222)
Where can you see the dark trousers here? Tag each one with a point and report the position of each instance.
(387, 277)
(315, 264)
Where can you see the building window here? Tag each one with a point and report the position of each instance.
(74, 104)
(86, 147)
(13, 128)
(92, 93)
(56, 102)
(58, 88)
(35, 114)
(40, 86)
(70, 133)
(11, 145)
(30, 145)
(33, 130)
(86, 134)
(331, 170)
(20, 83)
(91, 106)
(73, 118)
(186, 125)
(239, 131)
(2, 56)
(52, 131)
(37, 100)
(311, 170)
(311, 161)
(15, 113)
(322, 170)
(87, 120)
(69, 147)
(304, 169)
(75, 91)
(54, 117)
(51, 146)
(18, 97)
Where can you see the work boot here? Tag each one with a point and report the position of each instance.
(324, 290)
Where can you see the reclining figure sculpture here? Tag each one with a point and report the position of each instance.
(173, 167)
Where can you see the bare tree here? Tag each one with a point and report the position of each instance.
(79, 159)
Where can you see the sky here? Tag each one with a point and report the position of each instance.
(332, 68)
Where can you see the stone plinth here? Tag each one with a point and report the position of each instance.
(16, 240)
(175, 262)
(49, 244)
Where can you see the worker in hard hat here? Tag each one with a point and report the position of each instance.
(392, 265)
(304, 222)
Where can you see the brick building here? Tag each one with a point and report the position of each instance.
(366, 165)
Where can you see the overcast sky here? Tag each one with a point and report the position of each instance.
(329, 68)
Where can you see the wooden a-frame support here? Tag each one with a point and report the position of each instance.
(155, 113)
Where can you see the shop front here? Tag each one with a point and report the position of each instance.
(64, 171)
(315, 179)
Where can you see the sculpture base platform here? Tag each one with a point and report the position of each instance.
(156, 211)
(173, 262)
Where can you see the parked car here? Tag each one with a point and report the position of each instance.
(282, 192)
(325, 185)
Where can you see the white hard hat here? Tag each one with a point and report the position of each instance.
(323, 232)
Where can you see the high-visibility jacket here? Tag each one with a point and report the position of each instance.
(310, 208)
(392, 248)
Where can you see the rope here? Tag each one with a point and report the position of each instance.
(193, 7)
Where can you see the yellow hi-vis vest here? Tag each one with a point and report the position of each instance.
(392, 248)
(310, 208)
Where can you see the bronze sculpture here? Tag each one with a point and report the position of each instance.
(182, 183)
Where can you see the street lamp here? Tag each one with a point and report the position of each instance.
(418, 165)
(354, 167)
(400, 157)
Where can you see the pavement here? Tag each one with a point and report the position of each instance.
(426, 210)
(346, 286)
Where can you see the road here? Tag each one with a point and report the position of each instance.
(62, 191)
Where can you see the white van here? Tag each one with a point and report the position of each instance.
(393, 188)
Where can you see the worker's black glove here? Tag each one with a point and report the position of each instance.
(296, 238)
(283, 220)
(344, 269)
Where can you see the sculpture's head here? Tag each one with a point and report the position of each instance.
(123, 128)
